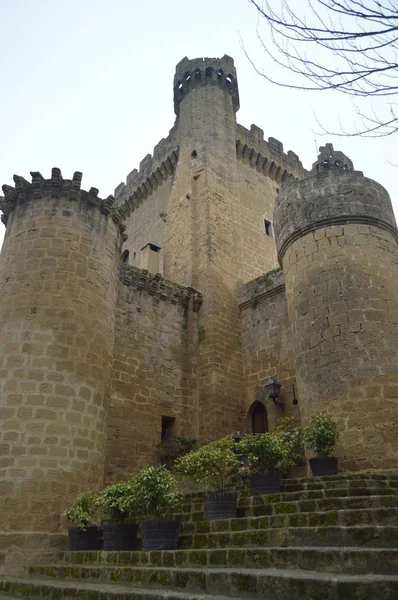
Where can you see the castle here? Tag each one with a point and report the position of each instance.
(165, 309)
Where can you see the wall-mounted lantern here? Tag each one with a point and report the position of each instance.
(273, 388)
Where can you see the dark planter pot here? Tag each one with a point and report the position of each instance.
(120, 536)
(324, 466)
(160, 535)
(83, 540)
(265, 482)
(220, 505)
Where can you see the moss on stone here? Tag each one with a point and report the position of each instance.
(200, 541)
(236, 557)
(168, 558)
(221, 525)
(197, 557)
(155, 558)
(164, 578)
(181, 579)
(285, 508)
(245, 583)
(218, 557)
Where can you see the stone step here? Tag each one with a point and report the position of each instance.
(389, 477)
(159, 568)
(216, 583)
(290, 486)
(260, 505)
(55, 590)
(362, 536)
(244, 499)
(342, 480)
(386, 475)
(344, 517)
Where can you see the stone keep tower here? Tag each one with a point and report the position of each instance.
(58, 273)
(337, 242)
(202, 239)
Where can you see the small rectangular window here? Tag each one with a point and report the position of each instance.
(267, 227)
(167, 427)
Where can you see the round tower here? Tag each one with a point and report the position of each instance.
(58, 290)
(337, 243)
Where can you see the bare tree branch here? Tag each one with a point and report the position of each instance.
(350, 46)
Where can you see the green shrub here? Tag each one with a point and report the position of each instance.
(83, 512)
(292, 440)
(265, 451)
(171, 449)
(214, 464)
(111, 501)
(153, 493)
(321, 434)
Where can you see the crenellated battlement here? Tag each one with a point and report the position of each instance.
(331, 160)
(153, 171)
(267, 156)
(219, 72)
(160, 288)
(55, 188)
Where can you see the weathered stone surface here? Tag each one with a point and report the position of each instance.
(337, 239)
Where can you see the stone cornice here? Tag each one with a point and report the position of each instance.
(259, 289)
(161, 289)
(260, 297)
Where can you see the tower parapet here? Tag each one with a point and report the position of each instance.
(267, 157)
(55, 188)
(205, 72)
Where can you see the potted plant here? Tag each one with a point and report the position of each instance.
(111, 502)
(214, 465)
(320, 436)
(153, 494)
(292, 440)
(265, 453)
(82, 513)
(174, 447)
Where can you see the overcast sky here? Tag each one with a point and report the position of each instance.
(87, 86)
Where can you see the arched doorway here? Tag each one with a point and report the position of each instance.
(258, 419)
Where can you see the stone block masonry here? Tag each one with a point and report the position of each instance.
(58, 273)
(154, 369)
(101, 359)
(337, 241)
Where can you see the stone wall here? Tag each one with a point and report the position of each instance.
(256, 202)
(147, 223)
(267, 351)
(154, 369)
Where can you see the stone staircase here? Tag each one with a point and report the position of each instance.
(332, 538)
